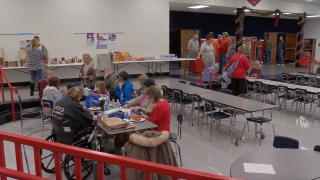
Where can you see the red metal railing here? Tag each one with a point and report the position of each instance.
(215, 74)
(312, 59)
(2, 74)
(99, 157)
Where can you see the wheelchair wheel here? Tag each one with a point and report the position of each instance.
(69, 163)
(47, 157)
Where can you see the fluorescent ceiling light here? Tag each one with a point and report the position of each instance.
(246, 10)
(198, 7)
(287, 13)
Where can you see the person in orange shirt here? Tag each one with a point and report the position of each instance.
(215, 45)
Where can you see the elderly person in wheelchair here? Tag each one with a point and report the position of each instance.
(72, 125)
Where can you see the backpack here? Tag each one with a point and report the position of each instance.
(226, 76)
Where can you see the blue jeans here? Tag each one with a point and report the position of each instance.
(34, 74)
(223, 61)
(258, 55)
(269, 56)
(280, 56)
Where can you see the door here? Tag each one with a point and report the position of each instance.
(186, 35)
(273, 37)
(290, 51)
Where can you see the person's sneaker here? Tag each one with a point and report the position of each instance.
(278, 64)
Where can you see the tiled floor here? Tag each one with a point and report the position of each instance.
(198, 153)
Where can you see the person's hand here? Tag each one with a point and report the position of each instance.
(117, 82)
(143, 116)
(125, 106)
(134, 94)
(227, 55)
(148, 111)
(198, 57)
(132, 108)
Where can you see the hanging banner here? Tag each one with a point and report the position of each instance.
(102, 41)
(24, 39)
(254, 2)
(90, 38)
(112, 38)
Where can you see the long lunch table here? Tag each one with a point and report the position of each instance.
(311, 90)
(186, 88)
(147, 63)
(51, 66)
(304, 75)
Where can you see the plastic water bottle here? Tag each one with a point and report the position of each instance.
(118, 104)
(113, 104)
(107, 102)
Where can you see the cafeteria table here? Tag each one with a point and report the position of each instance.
(304, 75)
(186, 88)
(288, 164)
(311, 90)
(242, 104)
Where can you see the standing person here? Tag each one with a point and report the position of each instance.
(34, 63)
(43, 49)
(125, 93)
(206, 51)
(268, 49)
(281, 48)
(109, 81)
(215, 44)
(193, 47)
(224, 49)
(88, 72)
(258, 50)
(238, 77)
(46, 77)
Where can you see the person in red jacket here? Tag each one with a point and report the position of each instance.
(238, 77)
(161, 113)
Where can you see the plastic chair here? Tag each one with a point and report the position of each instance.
(262, 90)
(301, 97)
(202, 86)
(226, 91)
(193, 84)
(316, 148)
(174, 137)
(183, 82)
(215, 116)
(285, 142)
(27, 111)
(285, 77)
(178, 98)
(283, 93)
(313, 81)
(317, 102)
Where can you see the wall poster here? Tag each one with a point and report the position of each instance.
(102, 40)
(90, 38)
(24, 39)
(112, 38)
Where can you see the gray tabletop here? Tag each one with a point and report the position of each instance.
(304, 75)
(290, 86)
(186, 88)
(139, 126)
(288, 164)
(237, 102)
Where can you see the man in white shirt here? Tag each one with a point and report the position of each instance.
(193, 47)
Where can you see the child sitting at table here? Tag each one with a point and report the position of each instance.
(100, 88)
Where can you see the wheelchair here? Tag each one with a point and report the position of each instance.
(63, 132)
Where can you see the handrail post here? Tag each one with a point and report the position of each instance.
(12, 106)
(2, 90)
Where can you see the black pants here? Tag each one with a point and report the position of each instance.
(239, 86)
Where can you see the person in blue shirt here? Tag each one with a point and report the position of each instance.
(125, 93)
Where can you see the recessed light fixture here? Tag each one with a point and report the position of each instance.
(246, 10)
(198, 7)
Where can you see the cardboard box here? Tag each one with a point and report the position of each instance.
(11, 64)
(1, 56)
(113, 123)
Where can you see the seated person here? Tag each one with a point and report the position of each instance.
(141, 79)
(125, 93)
(51, 92)
(256, 71)
(142, 102)
(109, 81)
(100, 88)
(161, 113)
(69, 108)
(64, 92)
(46, 77)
